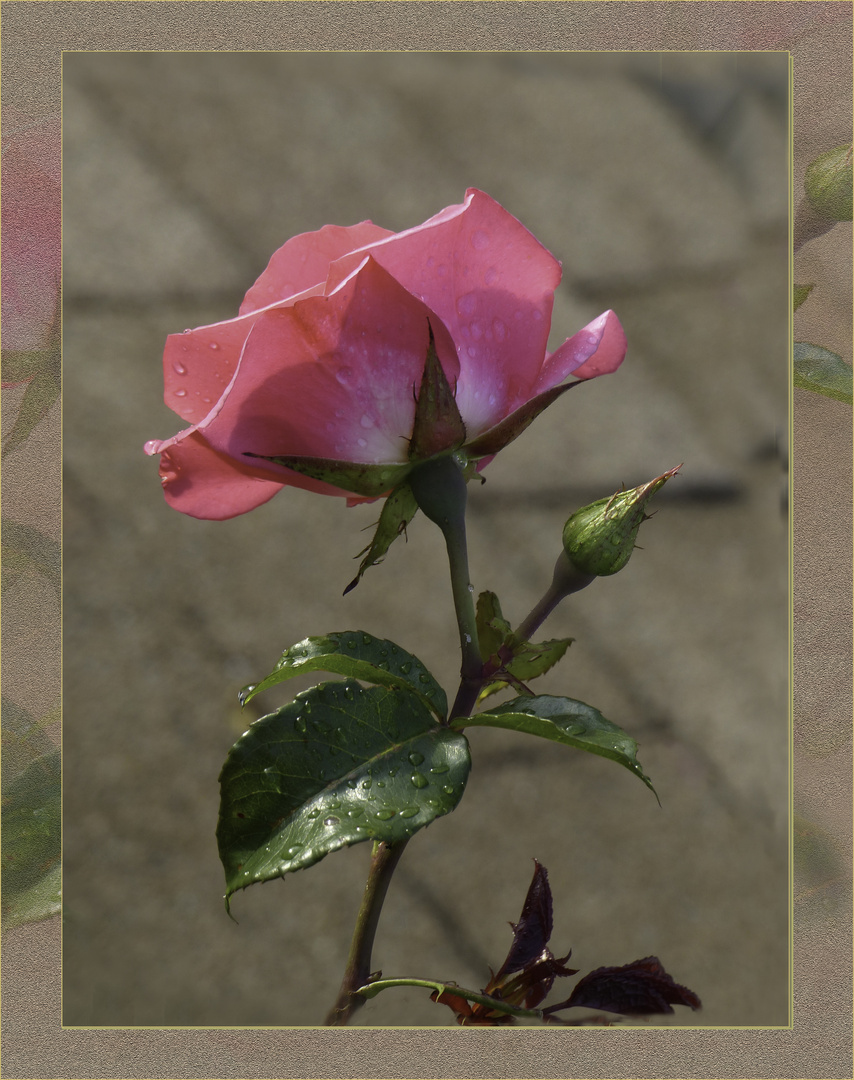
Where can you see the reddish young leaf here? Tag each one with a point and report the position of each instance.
(637, 989)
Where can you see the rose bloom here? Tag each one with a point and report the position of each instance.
(326, 358)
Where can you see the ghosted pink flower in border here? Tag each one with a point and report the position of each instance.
(31, 221)
(326, 358)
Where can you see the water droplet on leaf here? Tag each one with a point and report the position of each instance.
(415, 758)
(419, 780)
(385, 814)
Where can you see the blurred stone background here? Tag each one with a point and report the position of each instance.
(660, 181)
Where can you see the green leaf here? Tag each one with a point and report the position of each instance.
(508, 657)
(565, 721)
(398, 510)
(822, 371)
(338, 765)
(493, 630)
(801, 293)
(32, 842)
(39, 396)
(359, 656)
(27, 551)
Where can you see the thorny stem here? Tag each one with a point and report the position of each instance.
(384, 859)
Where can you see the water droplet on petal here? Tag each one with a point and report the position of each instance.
(499, 329)
(180, 393)
(479, 240)
(366, 421)
(490, 276)
(214, 345)
(179, 368)
(467, 304)
(472, 351)
(362, 442)
(343, 375)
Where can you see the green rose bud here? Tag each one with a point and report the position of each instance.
(599, 539)
(828, 184)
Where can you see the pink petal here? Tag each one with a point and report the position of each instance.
(597, 349)
(304, 262)
(199, 481)
(331, 377)
(492, 284)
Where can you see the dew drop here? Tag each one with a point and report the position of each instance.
(180, 393)
(362, 443)
(472, 351)
(499, 329)
(294, 849)
(331, 821)
(188, 330)
(410, 811)
(357, 811)
(467, 304)
(366, 421)
(344, 374)
(439, 769)
(406, 667)
(313, 814)
(415, 758)
(419, 781)
(385, 815)
(179, 368)
(479, 240)
(214, 346)
(424, 678)
(380, 783)
(448, 790)
(367, 639)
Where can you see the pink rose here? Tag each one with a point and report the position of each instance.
(326, 358)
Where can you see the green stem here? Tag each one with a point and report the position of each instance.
(375, 987)
(439, 488)
(567, 579)
(384, 860)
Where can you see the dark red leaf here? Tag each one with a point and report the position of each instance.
(637, 989)
(534, 928)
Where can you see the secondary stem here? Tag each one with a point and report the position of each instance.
(566, 580)
(384, 859)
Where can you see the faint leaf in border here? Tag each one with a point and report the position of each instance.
(40, 395)
(801, 292)
(31, 833)
(25, 550)
(823, 372)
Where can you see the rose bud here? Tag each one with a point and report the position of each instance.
(599, 539)
(828, 184)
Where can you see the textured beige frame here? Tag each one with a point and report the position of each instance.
(820, 1043)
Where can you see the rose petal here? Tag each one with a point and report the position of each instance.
(304, 261)
(597, 349)
(492, 283)
(200, 482)
(332, 377)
